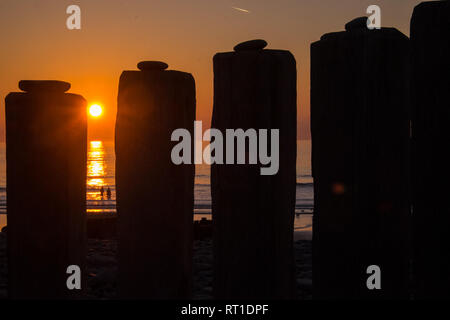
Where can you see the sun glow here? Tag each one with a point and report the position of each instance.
(95, 110)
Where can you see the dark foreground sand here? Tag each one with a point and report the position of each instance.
(102, 268)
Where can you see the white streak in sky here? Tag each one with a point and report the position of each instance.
(240, 9)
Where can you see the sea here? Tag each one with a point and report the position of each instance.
(101, 191)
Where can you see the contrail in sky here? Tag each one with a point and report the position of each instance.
(240, 9)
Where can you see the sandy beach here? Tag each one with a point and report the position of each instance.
(102, 268)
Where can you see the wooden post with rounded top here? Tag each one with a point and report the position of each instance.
(46, 133)
(155, 196)
(253, 214)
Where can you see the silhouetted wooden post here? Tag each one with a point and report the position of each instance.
(430, 38)
(46, 133)
(155, 197)
(253, 214)
(360, 134)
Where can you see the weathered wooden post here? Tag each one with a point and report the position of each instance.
(360, 134)
(155, 197)
(430, 38)
(253, 214)
(46, 133)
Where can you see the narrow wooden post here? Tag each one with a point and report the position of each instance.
(430, 38)
(46, 133)
(253, 214)
(360, 150)
(155, 197)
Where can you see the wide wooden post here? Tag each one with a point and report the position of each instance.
(360, 150)
(253, 213)
(155, 196)
(46, 133)
(430, 38)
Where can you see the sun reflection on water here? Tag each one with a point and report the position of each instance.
(96, 169)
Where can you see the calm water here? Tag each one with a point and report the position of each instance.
(100, 174)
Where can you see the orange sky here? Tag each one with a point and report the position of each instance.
(115, 35)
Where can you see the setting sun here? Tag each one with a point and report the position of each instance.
(95, 110)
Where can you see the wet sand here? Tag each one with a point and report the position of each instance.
(102, 267)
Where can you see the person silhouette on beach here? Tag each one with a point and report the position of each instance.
(102, 191)
(108, 193)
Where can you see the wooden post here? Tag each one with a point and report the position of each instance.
(360, 149)
(46, 133)
(155, 197)
(430, 38)
(253, 214)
